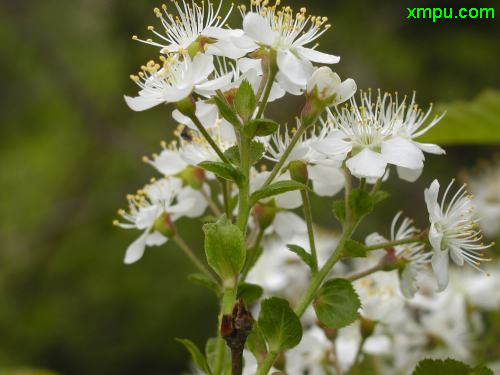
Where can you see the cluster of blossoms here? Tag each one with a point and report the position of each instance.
(251, 173)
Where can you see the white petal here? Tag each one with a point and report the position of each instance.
(141, 103)
(169, 162)
(401, 152)
(333, 146)
(203, 66)
(257, 28)
(456, 255)
(316, 56)
(410, 175)
(208, 87)
(289, 86)
(367, 164)
(407, 282)
(296, 70)
(440, 262)
(435, 237)
(156, 239)
(136, 249)
(288, 224)
(198, 205)
(345, 91)
(327, 180)
(245, 64)
(289, 200)
(173, 95)
(430, 148)
(431, 200)
(374, 239)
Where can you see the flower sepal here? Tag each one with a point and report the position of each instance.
(164, 225)
(193, 176)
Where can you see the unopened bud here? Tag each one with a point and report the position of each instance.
(193, 176)
(264, 213)
(164, 225)
(298, 171)
(367, 327)
(390, 260)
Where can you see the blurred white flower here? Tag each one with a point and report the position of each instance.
(160, 203)
(372, 135)
(453, 232)
(288, 34)
(174, 80)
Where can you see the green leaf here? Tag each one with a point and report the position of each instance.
(367, 366)
(226, 112)
(224, 248)
(223, 170)
(354, 249)
(448, 367)
(198, 358)
(361, 203)
(249, 293)
(211, 355)
(304, 255)
(245, 101)
(467, 122)
(260, 127)
(256, 151)
(257, 344)
(276, 188)
(204, 280)
(337, 303)
(339, 210)
(279, 324)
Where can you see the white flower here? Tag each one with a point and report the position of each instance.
(326, 175)
(330, 87)
(288, 34)
(453, 232)
(186, 25)
(486, 190)
(175, 80)
(163, 198)
(372, 135)
(413, 254)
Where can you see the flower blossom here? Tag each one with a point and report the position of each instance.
(372, 135)
(153, 210)
(453, 232)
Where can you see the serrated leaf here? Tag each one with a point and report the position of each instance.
(257, 344)
(224, 248)
(354, 249)
(279, 324)
(197, 356)
(361, 203)
(448, 367)
(222, 170)
(204, 280)
(337, 303)
(249, 293)
(260, 127)
(245, 101)
(256, 151)
(226, 112)
(339, 210)
(467, 122)
(276, 188)
(304, 255)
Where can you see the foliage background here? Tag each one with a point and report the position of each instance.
(70, 150)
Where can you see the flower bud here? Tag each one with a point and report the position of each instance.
(264, 213)
(298, 171)
(367, 327)
(192, 176)
(164, 225)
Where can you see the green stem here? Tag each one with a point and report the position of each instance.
(266, 365)
(209, 139)
(309, 221)
(226, 196)
(198, 263)
(228, 301)
(267, 92)
(369, 271)
(302, 128)
(390, 244)
(244, 193)
(347, 192)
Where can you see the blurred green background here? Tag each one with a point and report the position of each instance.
(70, 150)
